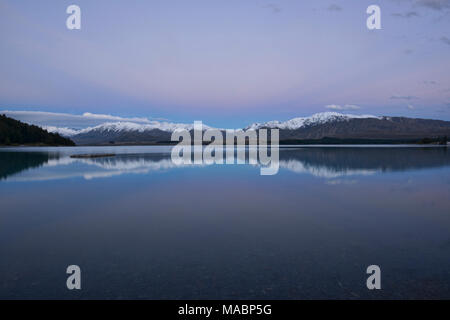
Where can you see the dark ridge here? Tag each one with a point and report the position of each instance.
(93, 155)
(14, 132)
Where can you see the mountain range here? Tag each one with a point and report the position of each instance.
(323, 127)
(326, 127)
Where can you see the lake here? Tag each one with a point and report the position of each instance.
(141, 227)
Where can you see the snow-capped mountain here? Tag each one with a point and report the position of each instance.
(63, 131)
(117, 127)
(315, 119)
(131, 126)
(292, 124)
(330, 126)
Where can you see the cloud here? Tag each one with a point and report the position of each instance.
(434, 4)
(430, 82)
(160, 119)
(65, 120)
(275, 8)
(346, 107)
(410, 107)
(114, 118)
(417, 5)
(445, 40)
(408, 51)
(408, 14)
(334, 7)
(402, 97)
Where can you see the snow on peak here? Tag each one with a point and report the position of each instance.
(63, 131)
(127, 126)
(131, 126)
(123, 126)
(315, 119)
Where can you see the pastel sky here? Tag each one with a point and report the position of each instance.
(226, 62)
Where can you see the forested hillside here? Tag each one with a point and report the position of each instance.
(13, 132)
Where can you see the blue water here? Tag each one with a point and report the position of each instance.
(141, 227)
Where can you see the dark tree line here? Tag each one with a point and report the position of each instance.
(13, 132)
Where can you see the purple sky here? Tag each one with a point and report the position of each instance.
(226, 62)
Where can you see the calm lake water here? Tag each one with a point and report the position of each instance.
(141, 227)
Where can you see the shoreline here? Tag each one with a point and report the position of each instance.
(281, 146)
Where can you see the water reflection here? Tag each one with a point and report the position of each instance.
(144, 228)
(347, 161)
(15, 162)
(326, 162)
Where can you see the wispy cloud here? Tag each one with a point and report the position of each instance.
(409, 14)
(275, 8)
(115, 118)
(434, 4)
(334, 7)
(410, 107)
(408, 51)
(445, 40)
(345, 107)
(395, 97)
(67, 120)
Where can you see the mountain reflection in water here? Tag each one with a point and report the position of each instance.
(325, 162)
(141, 227)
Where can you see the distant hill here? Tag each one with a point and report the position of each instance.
(13, 132)
(321, 128)
(334, 127)
(118, 133)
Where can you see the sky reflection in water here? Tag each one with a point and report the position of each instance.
(141, 227)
